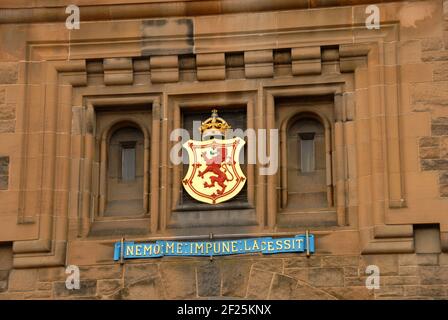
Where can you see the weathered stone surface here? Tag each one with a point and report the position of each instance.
(2, 96)
(430, 94)
(418, 259)
(399, 280)
(326, 277)
(432, 44)
(3, 285)
(430, 153)
(351, 293)
(304, 291)
(7, 112)
(274, 265)
(5, 257)
(7, 126)
(426, 291)
(444, 147)
(4, 182)
(388, 264)
(179, 280)
(209, 280)
(340, 261)
(87, 289)
(436, 164)
(299, 262)
(433, 274)
(146, 289)
(45, 286)
(136, 272)
(441, 72)
(107, 287)
(389, 292)
(259, 284)
(351, 272)
(298, 273)
(443, 178)
(408, 270)
(101, 272)
(282, 288)
(4, 274)
(444, 190)
(22, 279)
(235, 276)
(429, 142)
(52, 274)
(8, 72)
(4, 165)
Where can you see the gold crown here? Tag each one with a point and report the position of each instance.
(214, 124)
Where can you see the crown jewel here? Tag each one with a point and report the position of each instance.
(214, 125)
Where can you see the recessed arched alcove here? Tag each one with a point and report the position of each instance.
(125, 160)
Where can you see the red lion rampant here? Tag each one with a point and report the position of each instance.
(218, 167)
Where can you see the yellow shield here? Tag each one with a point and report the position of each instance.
(214, 174)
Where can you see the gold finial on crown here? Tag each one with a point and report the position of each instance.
(214, 125)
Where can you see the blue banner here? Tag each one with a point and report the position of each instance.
(162, 248)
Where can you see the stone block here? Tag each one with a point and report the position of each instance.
(326, 277)
(107, 287)
(399, 280)
(388, 264)
(7, 126)
(44, 286)
(282, 288)
(433, 274)
(87, 289)
(209, 280)
(306, 292)
(434, 164)
(22, 279)
(259, 284)
(273, 265)
(235, 277)
(7, 111)
(425, 291)
(137, 272)
(389, 292)
(429, 142)
(101, 272)
(179, 280)
(146, 289)
(430, 153)
(351, 293)
(340, 261)
(300, 262)
(2, 95)
(8, 72)
(52, 274)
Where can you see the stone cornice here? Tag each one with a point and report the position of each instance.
(24, 11)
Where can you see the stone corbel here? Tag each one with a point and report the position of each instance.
(352, 57)
(211, 66)
(306, 61)
(118, 71)
(259, 64)
(164, 69)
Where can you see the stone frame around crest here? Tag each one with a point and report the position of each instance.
(52, 86)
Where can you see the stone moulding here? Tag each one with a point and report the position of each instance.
(46, 11)
(54, 84)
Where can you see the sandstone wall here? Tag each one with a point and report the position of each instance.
(411, 254)
(403, 276)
